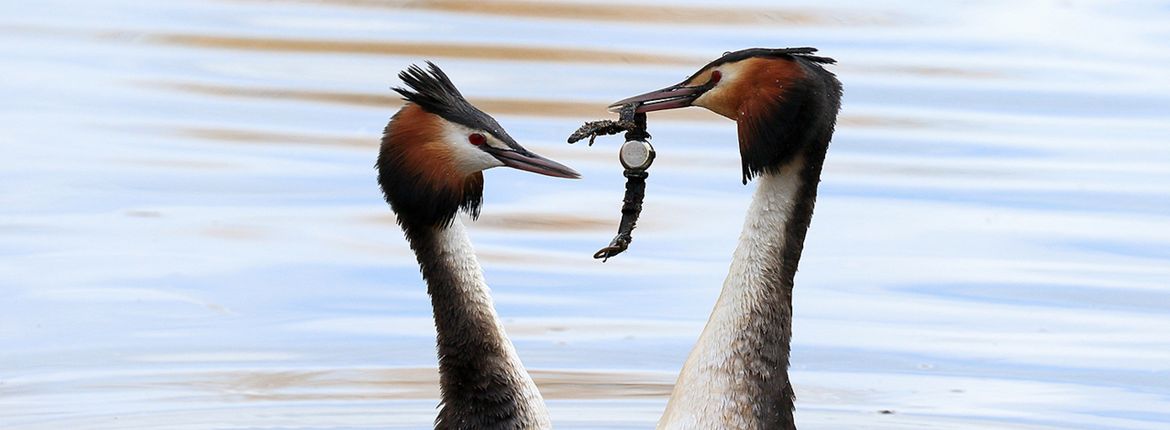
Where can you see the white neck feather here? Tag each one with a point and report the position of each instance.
(714, 389)
(473, 303)
(454, 247)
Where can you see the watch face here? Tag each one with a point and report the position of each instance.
(636, 154)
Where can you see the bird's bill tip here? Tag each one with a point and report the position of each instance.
(530, 162)
(672, 97)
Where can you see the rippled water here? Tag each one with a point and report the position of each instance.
(192, 238)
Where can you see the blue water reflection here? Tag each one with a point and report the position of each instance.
(192, 236)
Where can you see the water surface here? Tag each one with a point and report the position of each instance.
(192, 237)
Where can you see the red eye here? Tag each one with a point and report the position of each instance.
(715, 77)
(476, 139)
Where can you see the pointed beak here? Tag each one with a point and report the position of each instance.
(673, 97)
(523, 159)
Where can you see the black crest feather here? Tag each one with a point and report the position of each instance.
(432, 89)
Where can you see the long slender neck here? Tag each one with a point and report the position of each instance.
(736, 377)
(483, 383)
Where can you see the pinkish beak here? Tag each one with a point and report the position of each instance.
(529, 161)
(673, 97)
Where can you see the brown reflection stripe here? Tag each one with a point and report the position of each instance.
(257, 136)
(428, 49)
(495, 52)
(520, 107)
(624, 12)
(405, 384)
(541, 108)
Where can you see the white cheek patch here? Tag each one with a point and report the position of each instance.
(729, 74)
(468, 158)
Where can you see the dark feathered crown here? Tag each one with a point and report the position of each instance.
(804, 53)
(435, 93)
